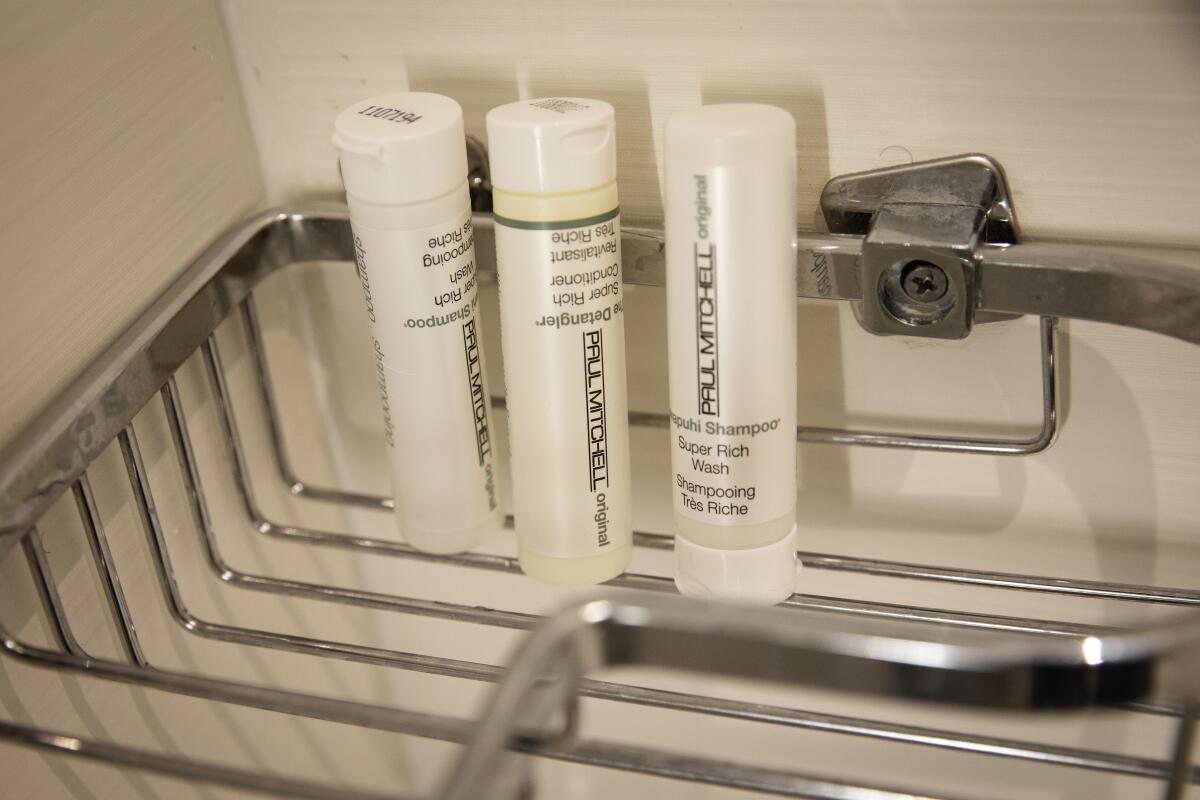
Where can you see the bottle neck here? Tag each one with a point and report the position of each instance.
(410, 216)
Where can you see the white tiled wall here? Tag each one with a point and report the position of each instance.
(124, 150)
(1091, 106)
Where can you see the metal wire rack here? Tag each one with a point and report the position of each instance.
(893, 649)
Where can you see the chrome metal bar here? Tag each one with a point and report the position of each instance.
(972, 620)
(70, 746)
(903, 734)
(47, 456)
(1181, 754)
(299, 703)
(1003, 580)
(261, 697)
(283, 462)
(387, 547)
(675, 701)
(1036, 443)
(179, 611)
(596, 753)
(729, 774)
(47, 591)
(357, 597)
(990, 579)
(677, 633)
(1088, 283)
(646, 761)
(986, 578)
(113, 593)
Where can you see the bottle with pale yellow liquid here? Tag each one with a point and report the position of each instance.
(558, 259)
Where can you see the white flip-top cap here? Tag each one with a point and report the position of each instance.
(552, 145)
(402, 148)
(731, 133)
(757, 576)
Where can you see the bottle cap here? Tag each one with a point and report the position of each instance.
(402, 148)
(731, 133)
(755, 576)
(552, 145)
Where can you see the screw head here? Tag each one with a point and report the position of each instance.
(924, 282)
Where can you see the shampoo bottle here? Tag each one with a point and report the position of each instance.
(403, 161)
(731, 325)
(558, 255)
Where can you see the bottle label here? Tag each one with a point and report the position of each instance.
(731, 296)
(422, 301)
(561, 308)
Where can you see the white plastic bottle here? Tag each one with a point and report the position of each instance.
(403, 159)
(731, 325)
(558, 255)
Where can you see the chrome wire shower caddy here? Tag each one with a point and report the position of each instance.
(925, 250)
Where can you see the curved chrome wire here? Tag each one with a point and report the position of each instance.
(646, 761)
(675, 701)
(68, 745)
(999, 580)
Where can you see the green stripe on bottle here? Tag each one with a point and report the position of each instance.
(556, 225)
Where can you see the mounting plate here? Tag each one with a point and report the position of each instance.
(925, 224)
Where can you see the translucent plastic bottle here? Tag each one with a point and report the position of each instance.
(558, 254)
(403, 160)
(731, 330)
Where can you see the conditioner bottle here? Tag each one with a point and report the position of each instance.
(558, 254)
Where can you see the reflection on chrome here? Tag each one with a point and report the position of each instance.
(1093, 650)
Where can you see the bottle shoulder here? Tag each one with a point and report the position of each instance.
(448, 208)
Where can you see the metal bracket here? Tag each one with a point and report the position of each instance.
(924, 225)
(957, 214)
(479, 176)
